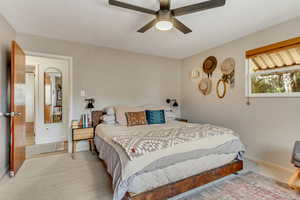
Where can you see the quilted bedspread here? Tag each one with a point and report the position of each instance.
(148, 141)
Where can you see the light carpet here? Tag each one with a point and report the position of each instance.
(59, 177)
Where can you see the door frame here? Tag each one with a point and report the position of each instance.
(70, 85)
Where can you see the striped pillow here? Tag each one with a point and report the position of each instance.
(155, 116)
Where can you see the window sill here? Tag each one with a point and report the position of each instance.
(272, 95)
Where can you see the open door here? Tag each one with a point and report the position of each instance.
(17, 109)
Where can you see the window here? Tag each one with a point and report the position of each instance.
(274, 70)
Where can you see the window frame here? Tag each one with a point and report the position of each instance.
(248, 84)
(276, 47)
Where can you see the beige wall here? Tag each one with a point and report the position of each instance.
(112, 76)
(270, 126)
(7, 34)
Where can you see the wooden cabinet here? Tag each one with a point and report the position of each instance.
(79, 134)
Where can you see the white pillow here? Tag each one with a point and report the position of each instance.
(121, 110)
(109, 118)
(170, 116)
(109, 122)
(110, 110)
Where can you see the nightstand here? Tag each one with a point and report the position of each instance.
(181, 120)
(79, 134)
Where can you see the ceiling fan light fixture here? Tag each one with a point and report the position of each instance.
(164, 25)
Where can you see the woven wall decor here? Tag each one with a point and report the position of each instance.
(205, 86)
(210, 65)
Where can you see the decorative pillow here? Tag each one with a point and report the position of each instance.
(136, 118)
(120, 113)
(158, 107)
(155, 116)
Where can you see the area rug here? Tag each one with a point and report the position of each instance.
(250, 186)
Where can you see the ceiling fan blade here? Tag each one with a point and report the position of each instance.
(198, 7)
(131, 7)
(165, 4)
(147, 26)
(180, 26)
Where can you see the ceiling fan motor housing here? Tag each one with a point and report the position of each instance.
(164, 15)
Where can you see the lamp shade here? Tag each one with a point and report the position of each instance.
(90, 104)
(175, 104)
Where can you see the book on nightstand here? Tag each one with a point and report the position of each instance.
(75, 124)
(85, 121)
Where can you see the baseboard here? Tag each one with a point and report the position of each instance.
(51, 140)
(270, 165)
(3, 172)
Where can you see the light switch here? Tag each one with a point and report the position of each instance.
(82, 93)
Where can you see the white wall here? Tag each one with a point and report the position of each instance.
(270, 126)
(7, 34)
(112, 76)
(29, 97)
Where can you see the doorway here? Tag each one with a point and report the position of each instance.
(30, 104)
(47, 104)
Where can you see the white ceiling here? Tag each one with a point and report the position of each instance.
(95, 22)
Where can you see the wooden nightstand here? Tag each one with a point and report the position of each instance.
(181, 120)
(79, 134)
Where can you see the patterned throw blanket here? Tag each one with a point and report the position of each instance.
(148, 141)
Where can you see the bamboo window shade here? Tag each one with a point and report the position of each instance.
(278, 55)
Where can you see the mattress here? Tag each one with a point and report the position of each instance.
(152, 171)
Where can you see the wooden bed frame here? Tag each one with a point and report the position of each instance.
(179, 187)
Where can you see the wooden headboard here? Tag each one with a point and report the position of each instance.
(97, 117)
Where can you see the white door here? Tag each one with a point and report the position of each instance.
(52, 97)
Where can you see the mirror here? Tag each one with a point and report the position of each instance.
(53, 96)
(221, 90)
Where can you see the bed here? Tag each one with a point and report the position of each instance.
(169, 171)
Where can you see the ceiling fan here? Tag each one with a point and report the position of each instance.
(165, 17)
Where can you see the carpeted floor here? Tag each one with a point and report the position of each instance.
(59, 177)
